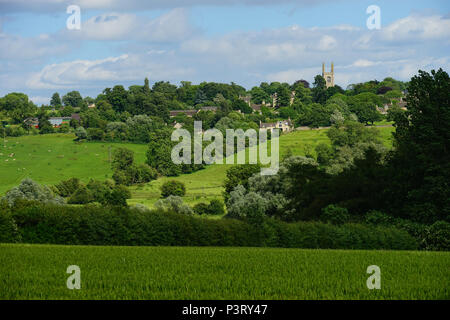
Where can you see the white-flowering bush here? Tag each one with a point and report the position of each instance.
(175, 204)
(30, 190)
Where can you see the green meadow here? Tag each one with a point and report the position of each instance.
(49, 159)
(39, 272)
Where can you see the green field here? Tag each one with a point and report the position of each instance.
(39, 272)
(48, 159)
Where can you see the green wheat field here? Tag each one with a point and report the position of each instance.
(39, 272)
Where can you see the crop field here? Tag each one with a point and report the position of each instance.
(39, 272)
(48, 159)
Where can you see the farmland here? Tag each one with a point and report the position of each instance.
(48, 159)
(39, 272)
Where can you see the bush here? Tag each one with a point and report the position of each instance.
(81, 133)
(215, 207)
(68, 187)
(94, 225)
(201, 208)
(334, 214)
(81, 196)
(378, 218)
(31, 191)
(437, 236)
(173, 188)
(9, 232)
(173, 204)
(95, 134)
(118, 196)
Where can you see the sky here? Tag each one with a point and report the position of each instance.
(246, 42)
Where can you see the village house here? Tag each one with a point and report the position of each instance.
(400, 102)
(283, 125)
(56, 122)
(191, 112)
(188, 113)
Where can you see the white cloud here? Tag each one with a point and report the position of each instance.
(169, 27)
(88, 73)
(327, 43)
(40, 100)
(417, 28)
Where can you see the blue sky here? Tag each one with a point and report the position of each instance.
(248, 42)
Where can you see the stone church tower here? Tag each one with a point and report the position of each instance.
(328, 76)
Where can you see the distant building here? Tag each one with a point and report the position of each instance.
(328, 76)
(189, 113)
(178, 125)
(56, 122)
(283, 125)
(208, 108)
(256, 108)
(247, 99)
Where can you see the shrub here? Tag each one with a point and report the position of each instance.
(216, 207)
(95, 134)
(100, 190)
(81, 196)
(32, 191)
(9, 232)
(81, 133)
(173, 204)
(201, 208)
(378, 218)
(146, 173)
(119, 196)
(94, 225)
(173, 188)
(437, 236)
(335, 215)
(68, 187)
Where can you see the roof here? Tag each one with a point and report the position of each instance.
(189, 113)
(208, 108)
(277, 124)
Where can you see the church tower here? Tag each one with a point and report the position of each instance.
(328, 76)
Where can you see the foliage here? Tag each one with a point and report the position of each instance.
(335, 215)
(81, 133)
(419, 168)
(438, 236)
(31, 191)
(173, 204)
(239, 175)
(173, 188)
(49, 224)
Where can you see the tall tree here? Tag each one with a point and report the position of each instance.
(420, 165)
(56, 100)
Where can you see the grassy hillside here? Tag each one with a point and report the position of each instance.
(39, 272)
(49, 159)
